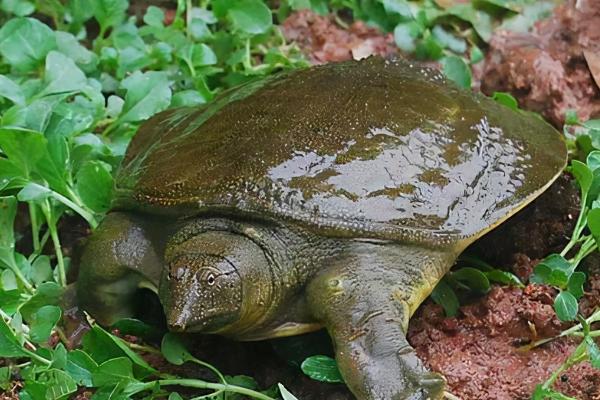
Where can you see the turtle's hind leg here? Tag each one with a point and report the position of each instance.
(118, 260)
(365, 300)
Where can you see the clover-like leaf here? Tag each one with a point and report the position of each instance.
(457, 70)
(444, 295)
(583, 174)
(42, 321)
(147, 94)
(110, 12)
(322, 368)
(565, 306)
(11, 91)
(94, 184)
(250, 16)
(24, 43)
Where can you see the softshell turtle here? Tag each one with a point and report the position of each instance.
(334, 196)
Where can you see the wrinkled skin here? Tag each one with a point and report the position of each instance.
(337, 197)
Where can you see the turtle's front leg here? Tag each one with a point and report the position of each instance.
(118, 260)
(365, 301)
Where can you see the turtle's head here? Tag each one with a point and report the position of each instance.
(214, 282)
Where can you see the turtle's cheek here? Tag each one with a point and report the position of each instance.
(197, 307)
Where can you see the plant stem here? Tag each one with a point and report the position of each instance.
(572, 331)
(141, 347)
(588, 247)
(17, 271)
(35, 229)
(578, 356)
(62, 276)
(198, 384)
(87, 215)
(579, 226)
(188, 18)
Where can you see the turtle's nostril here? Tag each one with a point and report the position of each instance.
(176, 324)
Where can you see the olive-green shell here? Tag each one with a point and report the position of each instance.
(372, 148)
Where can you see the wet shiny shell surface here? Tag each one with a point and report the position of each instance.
(373, 148)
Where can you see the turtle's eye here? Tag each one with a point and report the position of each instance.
(210, 279)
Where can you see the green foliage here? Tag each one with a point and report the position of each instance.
(559, 271)
(70, 103)
(472, 276)
(322, 368)
(449, 31)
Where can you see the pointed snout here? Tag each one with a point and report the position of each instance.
(177, 324)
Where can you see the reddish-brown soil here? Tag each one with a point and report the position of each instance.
(479, 350)
(551, 70)
(323, 40)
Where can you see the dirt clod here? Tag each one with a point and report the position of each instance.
(547, 70)
(323, 40)
(482, 355)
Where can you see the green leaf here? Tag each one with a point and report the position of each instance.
(506, 99)
(8, 211)
(5, 378)
(154, 17)
(24, 43)
(70, 46)
(9, 344)
(405, 34)
(59, 356)
(444, 295)
(541, 393)
(583, 174)
(565, 306)
(199, 30)
(593, 223)
(428, 48)
(42, 322)
(593, 351)
(593, 160)
(457, 70)
(322, 368)
(34, 192)
(103, 346)
(285, 394)
(147, 94)
(401, 7)
(22, 147)
(592, 124)
(11, 91)
(575, 284)
(19, 8)
(48, 293)
(110, 12)
(187, 98)
(62, 75)
(473, 278)
(553, 270)
(81, 367)
(449, 40)
(250, 16)
(174, 351)
(135, 327)
(59, 385)
(480, 20)
(503, 277)
(113, 372)
(94, 184)
(476, 55)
